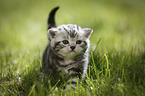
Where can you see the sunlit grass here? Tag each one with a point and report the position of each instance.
(117, 53)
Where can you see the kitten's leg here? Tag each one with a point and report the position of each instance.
(71, 83)
(73, 76)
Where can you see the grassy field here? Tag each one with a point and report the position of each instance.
(117, 53)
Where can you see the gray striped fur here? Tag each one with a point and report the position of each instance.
(67, 53)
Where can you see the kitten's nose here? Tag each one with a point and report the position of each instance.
(72, 47)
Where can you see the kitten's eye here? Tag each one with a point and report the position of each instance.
(65, 41)
(78, 42)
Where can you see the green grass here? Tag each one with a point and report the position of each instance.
(117, 53)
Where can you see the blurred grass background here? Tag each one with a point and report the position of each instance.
(118, 24)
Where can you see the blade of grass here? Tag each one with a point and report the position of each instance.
(89, 72)
(107, 71)
(94, 66)
(102, 69)
(54, 86)
(40, 63)
(97, 45)
(122, 74)
(32, 90)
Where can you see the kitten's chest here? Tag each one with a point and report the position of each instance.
(67, 62)
(66, 65)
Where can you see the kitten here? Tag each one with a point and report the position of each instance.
(66, 55)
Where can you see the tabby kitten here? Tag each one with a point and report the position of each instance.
(66, 55)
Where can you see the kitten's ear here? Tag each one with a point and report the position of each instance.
(87, 32)
(52, 32)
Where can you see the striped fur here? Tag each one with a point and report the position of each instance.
(67, 52)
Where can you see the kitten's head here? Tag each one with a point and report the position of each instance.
(69, 40)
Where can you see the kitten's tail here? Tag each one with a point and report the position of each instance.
(51, 19)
